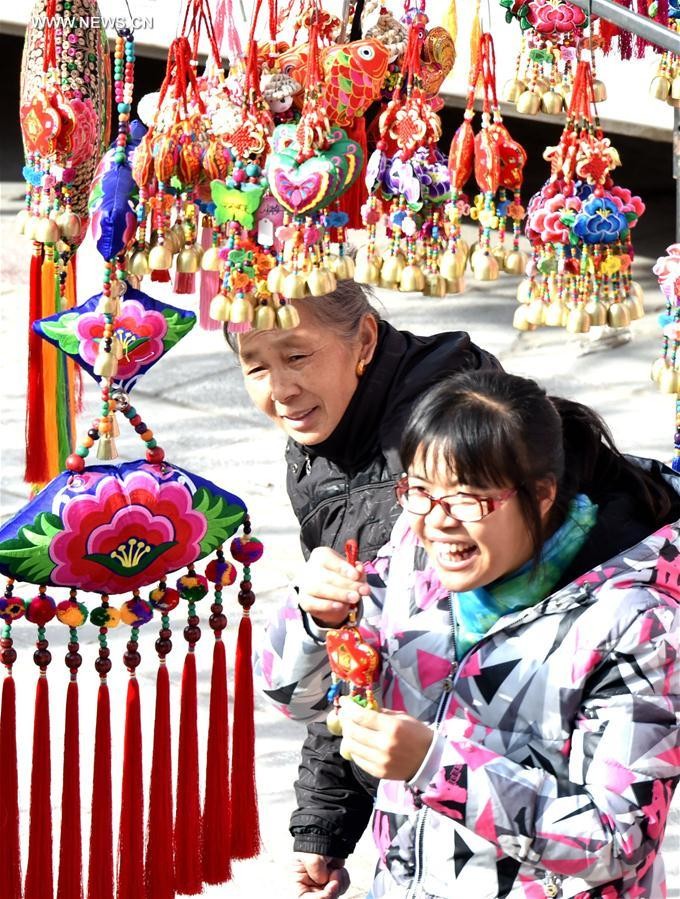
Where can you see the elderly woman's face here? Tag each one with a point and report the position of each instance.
(304, 378)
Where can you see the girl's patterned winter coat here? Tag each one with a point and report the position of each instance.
(557, 744)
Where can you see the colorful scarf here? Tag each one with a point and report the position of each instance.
(476, 611)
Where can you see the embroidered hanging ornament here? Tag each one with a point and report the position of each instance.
(64, 121)
(353, 662)
(666, 368)
(579, 226)
(665, 84)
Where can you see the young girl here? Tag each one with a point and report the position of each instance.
(526, 612)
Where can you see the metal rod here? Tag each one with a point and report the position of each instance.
(631, 21)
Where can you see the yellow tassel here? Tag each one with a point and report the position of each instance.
(475, 36)
(451, 20)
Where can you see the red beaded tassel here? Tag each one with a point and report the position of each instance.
(100, 871)
(70, 882)
(351, 201)
(188, 863)
(216, 806)
(160, 859)
(39, 877)
(245, 835)
(10, 855)
(37, 468)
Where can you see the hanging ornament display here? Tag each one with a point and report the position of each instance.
(65, 87)
(666, 81)
(579, 226)
(666, 369)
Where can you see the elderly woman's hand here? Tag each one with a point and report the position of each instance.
(330, 587)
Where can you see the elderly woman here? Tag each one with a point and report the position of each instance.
(341, 385)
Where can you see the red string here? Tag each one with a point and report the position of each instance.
(10, 856)
(160, 861)
(70, 884)
(216, 808)
(39, 880)
(50, 52)
(188, 866)
(100, 870)
(131, 833)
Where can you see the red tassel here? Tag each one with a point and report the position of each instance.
(188, 866)
(216, 809)
(131, 834)
(39, 881)
(355, 197)
(245, 835)
(160, 862)
(160, 274)
(100, 875)
(185, 282)
(10, 859)
(210, 284)
(37, 468)
(70, 884)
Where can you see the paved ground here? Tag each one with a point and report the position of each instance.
(196, 404)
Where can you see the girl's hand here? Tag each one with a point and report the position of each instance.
(330, 587)
(386, 744)
(319, 876)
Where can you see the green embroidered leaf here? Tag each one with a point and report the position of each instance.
(26, 556)
(63, 331)
(132, 559)
(178, 326)
(222, 518)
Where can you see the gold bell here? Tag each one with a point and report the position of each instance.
(169, 241)
(343, 268)
(515, 262)
(463, 247)
(160, 258)
(535, 312)
(293, 287)
(139, 264)
(106, 448)
(318, 282)
(287, 316)
(578, 321)
(675, 88)
(528, 103)
(188, 261)
(391, 269)
(553, 315)
(411, 279)
(334, 723)
(46, 231)
(241, 312)
(657, 367)
(210, 260)
(265, 318)
(525, 291)
(366, 272)
(636, 310)
(22, 220)
(276, 277)
(177, 231)
(668, 380)
(660, 87)
(455, 285)
(520, 320)
(599, 91)
(448, 265)
(597, 312)
(484, 266)
(637, 291)
(618, 316)
(220, 307)
(363, 256)
(30, 226)
(552, 102)
(499, 255)
(512, 90)
(106, 364)
(108, 305)
(69, 225)
(435, 286)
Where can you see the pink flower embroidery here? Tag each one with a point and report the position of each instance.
(555, 17)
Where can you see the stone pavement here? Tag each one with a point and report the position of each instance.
(195, 402)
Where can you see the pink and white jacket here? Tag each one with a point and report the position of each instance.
(557, 737)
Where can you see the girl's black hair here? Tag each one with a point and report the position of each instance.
(494, 429)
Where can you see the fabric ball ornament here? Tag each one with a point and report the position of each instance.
(246, 550)
(164, 599)
(192, 587)
(136, 612)
(105, 616)
(41, 609)
(220, 572)
(11, 608)
(72, 613)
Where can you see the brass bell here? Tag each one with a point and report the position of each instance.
(106, 448)
(618, 316)
(363, 256)
(139, 264)
(499, 255)
(69, 225)
(484, 266)
(366, 272)
(30, 226)
(241, 312)
(115, 429)
(105, 364)
(187, 261)
(660, 87)
(265, 318)
(635, 308)
(448, 265)
(636, 290)
(293, 287)
(516, 262)
(525, 291)
(220, 307)
(160, 258)
(178, 233)
(657, 367)
(46, 231)
(528, 103)
(553, 316)
(22, 220)
(318, 282)
(169, 241)
(463, 247)
(435, 286)
(597, 312)
(287, 317)
(535, 312)
(343, 268)
(334, 723)
(668, 380)
(512, 90)
(276, 277)
(675, 88)
(411, 279)
(542, 85)
(578, 321)
(552, 102)
(391, 269)
(108, 305)
(210, 261)
(520, 320)
(455, 285)
(599, 91)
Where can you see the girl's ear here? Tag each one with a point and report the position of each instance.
(368, 337)
(546, 493)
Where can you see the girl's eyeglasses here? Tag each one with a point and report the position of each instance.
(462, 506)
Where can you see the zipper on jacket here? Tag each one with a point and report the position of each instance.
(443, 701)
